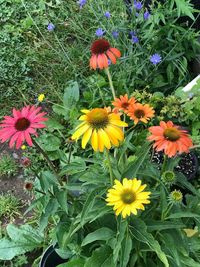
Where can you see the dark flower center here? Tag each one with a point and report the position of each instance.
(100, 46)
(98, 118)
(125, 105)
(172, 134)
(22, 124)
(128, 197)
(139, 113)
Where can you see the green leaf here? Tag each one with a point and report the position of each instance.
(47, 180)
(134, 167)
(184, 8)
(103, 233)
(50, 209)
(99, 258)
(184, 214)
(118, 241)
(125, 251)
(71, 94)
(159, 225)
(61, 197)
(139, 231)
(73, 263)
(23, 239)
(53, 124)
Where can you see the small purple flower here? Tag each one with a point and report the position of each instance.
(137, 14)
(146, 15)
(109, 62)
(132, 33)
(134, 39)
(107, 14)
(115, 34)
(100, 32)
(137, 5)
(82, 3)
(50, 27)
(155, 59)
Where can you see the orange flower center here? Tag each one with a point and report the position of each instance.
(172, 134)
(139, 113)
(22, 124)
(100, 46)
(98, 118)
(128, 196)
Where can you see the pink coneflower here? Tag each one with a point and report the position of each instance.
(18, 128)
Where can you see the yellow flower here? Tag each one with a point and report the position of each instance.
(127, 197)
(41, 97)
(23, 147)
(101, 127)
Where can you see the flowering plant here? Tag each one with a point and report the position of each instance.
(104, 175)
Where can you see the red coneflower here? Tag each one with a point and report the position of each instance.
(101, 53)
(123, 103)
(18, 128)
(170, 138)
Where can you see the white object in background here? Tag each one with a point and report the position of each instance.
(190, 85)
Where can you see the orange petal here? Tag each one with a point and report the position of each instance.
(100, 61)
(93, 62)
(111, 57)
(115, 51)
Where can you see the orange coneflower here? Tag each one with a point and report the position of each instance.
(101, 53)
(123, 103)
(139, 112)
(170, 138)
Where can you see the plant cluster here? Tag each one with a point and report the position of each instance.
(8, 166)
(102, 199)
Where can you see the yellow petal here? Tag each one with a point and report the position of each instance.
(141, 188)
(112, 137)
(83, 118)
(100, 142)
(85, 111)
(81, 124)
(86, 137)
(80, 132)
(116, 131)
(136, 184)
(114, 116)
(105, 138)
(119, 123)
(94, 140)
(143, 195)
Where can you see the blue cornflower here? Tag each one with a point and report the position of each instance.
(137, 5)
(135, 39)
(146, 15)
(155, 59)
(50, 27)
(132, 33)
(107, 14)
(100, 32)
(109, 62)
(115, 34)
(82, 3)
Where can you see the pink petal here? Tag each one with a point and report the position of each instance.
(13, 139)
(28, 138)
(20, 139)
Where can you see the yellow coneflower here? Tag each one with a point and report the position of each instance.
(127, 197)
(101, 127)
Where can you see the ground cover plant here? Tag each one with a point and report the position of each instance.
(108, 136)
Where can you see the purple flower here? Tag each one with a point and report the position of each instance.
(109, 62)
(115, 34)
(137, 14)
(100, 32)
(135, 39)
(155, 59)
(146, 15)
(132, 33)
(107, 14)
(50, 27)
(137, 5)
(82, 3)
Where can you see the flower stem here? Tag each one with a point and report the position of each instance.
(45, 156)
(110, 167)
(164, 164)
(110, 82)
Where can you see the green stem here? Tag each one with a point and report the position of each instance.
(110, 82)
(165, 213)
(109, 166)
(45, 156)
(164, 164)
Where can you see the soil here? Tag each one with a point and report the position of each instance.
(14, 184)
